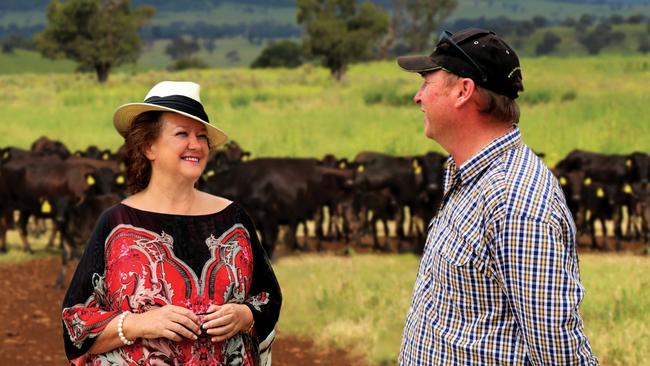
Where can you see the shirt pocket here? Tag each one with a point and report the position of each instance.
(453, 248)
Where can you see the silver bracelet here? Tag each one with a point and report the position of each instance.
(120, 332)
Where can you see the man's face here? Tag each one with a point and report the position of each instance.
(435, 101)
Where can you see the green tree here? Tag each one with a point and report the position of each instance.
(421, 18)
(98, 34)
(280, 54)
(340, 32)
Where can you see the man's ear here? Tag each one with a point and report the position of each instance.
(464, 90)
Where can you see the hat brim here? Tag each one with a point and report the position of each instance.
(125, 114)
(417, 63)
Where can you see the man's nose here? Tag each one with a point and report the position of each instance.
(416, 98)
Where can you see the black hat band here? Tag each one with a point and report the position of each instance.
(181, 103)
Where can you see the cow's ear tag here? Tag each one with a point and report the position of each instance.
(627, 189)
(587, 181)
(46, 207)
(6, 155)
(210, 173)
(105, 156)
(120, 179)
(90, 180)
(600, 193)
(342, 165)
(77, 154)
(245, 158)
(628, 163)
(361, 168)
(563, 181)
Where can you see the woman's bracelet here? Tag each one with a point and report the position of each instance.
(120, 331)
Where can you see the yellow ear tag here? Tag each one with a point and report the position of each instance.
(5, 156)
(627, 189)
(46, 207)
(628, 163)
(105, 156)
(120, 179)
(90, 180)
(587, 181)
(600, 193)
(563, 181)
(245, 158)
(210, 173)
(361, 168)
(418, 170)
(342, 165)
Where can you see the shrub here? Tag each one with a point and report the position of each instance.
(188, 63)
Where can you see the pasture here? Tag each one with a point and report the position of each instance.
(592, 103)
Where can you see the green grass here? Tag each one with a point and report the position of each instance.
(22, 60)
(303, 112)
(360, 303)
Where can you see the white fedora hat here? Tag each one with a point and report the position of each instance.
(180, 97)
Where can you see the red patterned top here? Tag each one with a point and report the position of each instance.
(138, 260)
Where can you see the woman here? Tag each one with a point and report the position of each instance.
(171, 275)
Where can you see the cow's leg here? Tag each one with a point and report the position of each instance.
(591, 226)
(603, 224)
(618, 223)
(50, 241)
(22, 230)
(399, 228)
(66, 256)
(318, 221)
(3, 234)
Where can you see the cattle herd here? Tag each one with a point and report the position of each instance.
(344, 199)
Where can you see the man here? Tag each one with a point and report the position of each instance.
(498, 283)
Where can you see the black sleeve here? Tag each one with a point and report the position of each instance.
(264, 298)
(85, 312)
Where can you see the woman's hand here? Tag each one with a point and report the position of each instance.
(170, 321)
(224, 321)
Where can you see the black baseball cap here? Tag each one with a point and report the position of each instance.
(473, 53)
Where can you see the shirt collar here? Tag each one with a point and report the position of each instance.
(481, 160)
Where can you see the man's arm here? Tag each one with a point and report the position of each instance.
(539, 273)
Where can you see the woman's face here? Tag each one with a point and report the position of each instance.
(181, 149)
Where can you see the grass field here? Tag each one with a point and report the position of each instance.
(592, 103)
(360, 303)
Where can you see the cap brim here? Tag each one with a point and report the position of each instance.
(417, 63)
(125, 114)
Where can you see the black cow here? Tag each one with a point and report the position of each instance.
(415, 182)
(43, 146)
(48, 187)
(277, 191)
(78, 228)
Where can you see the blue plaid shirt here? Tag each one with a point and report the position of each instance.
(498, 283)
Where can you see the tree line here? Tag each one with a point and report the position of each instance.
(103, 34)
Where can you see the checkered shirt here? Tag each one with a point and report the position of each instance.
(498, 283)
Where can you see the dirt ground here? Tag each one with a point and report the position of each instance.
(30, 325)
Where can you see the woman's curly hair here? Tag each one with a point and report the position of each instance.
(144, 130)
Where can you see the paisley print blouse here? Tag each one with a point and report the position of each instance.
(137, 260)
